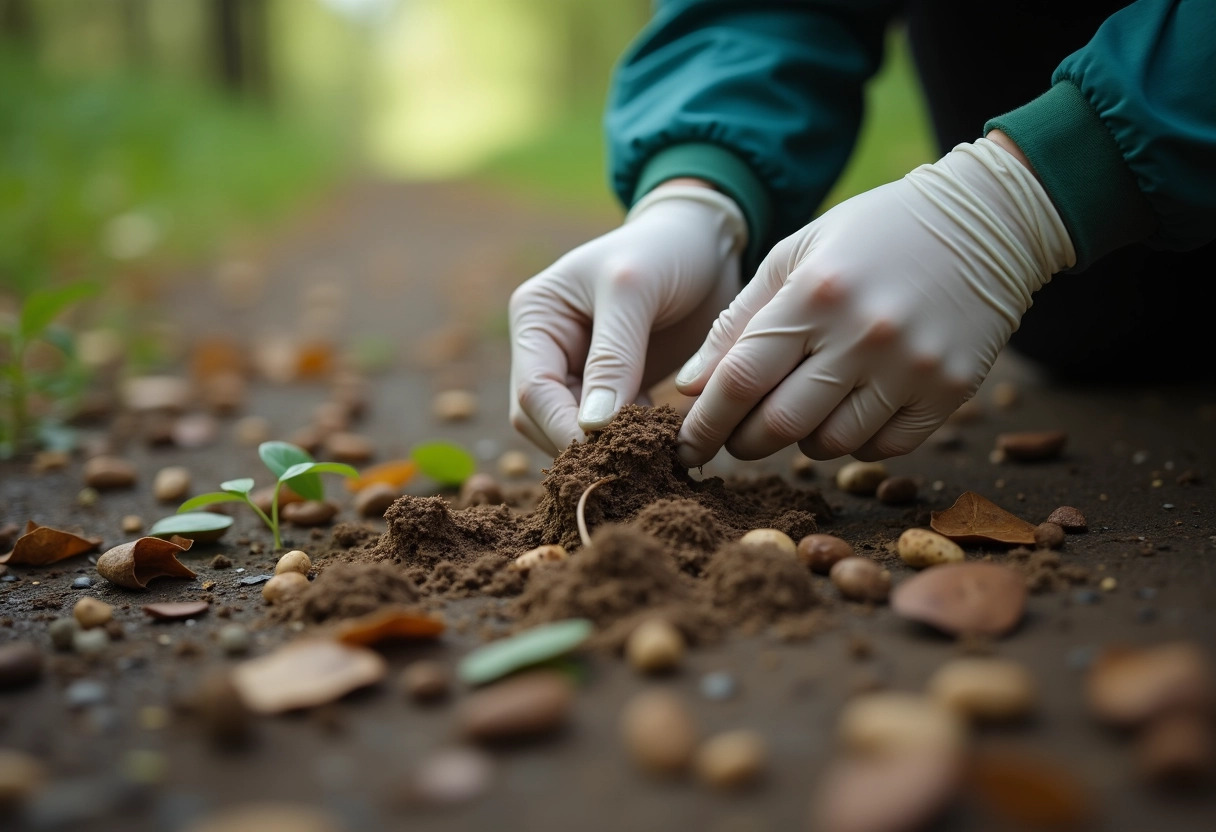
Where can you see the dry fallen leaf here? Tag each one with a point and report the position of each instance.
(41, 545)
(976, 519)
(1028, 790)
(306, 674)
(395, 473)
(134, 564)
(388, 624)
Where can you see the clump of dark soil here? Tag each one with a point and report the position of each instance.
(752, 586)
(688, 528)
(424, 531)
(348, 590)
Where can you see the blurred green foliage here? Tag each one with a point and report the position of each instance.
(124, 169)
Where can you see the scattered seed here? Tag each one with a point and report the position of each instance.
(454, 405)
(532, 704)
(1132, 686)
(920, 548)
(1005, 395)
(309, 513)
(352, 448)
(896, 491)
(22, 776)
(889, 722)
(984, 689)
(861, 478)
(87, 497)
(802, 467)
(731, 760)
(1069, 519)
(91, 642)
(1108, 584)
(540, 556)
(861, 579)
(514, 465)
(171, 484)
(426, 680)
(1048, 535)
(655, 646)
(1177, 750)
(375, 499)
(452, 776)
(62, 631)
(1032, 446)
(283, 586)
(90, 612)
(823, 551)
(293, 561)
(176, 610)
(20, 665)
(251, 430)
(658, 732)
(770, 537)
(234, 639)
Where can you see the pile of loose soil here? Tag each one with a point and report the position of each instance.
(663, 543)
(348, 590)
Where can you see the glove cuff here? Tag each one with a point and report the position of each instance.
(733, 225)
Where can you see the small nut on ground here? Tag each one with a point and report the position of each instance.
(1069, 519)
(770, 537)
(861, 579)
(731, 760)
(1048, 536)
(283, 586)
(896, 491)
(308, 513)
(823, 551)
(658, 732)
(861, 477)
(132, 523)
(984, 689)
(514, 464)
(540, 556)
(171, 484)
(105, 472)
(655, 646)
(481, 490)
(920, 548)
(90, 612)
(374, 500)
(887, 723)
(293, 561)
(454, 405)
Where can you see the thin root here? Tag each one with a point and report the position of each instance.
(582, 507)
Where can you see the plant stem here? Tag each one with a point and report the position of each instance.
(17, 393)
(274, 513)
(260, 513)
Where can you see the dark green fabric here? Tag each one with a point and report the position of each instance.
(1145, 88)
(776, 84)
(724, 169)
(1082, 169)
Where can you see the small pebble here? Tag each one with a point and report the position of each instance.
(426, 680)
(293, 561)
(861, 478)
(234, 639)
(308, 513)
(375, 499)
(109, 472)
(770, 537)
(83, 582)
(85, 692)
(896, 491)
(252, 580)
(1032, 446)
(90, 642)
(481, 490)
(718, 686)
(1069, 519)
(132, 523)
(1108, 584)
(1177, 750)
(658, 732)
(890, 722)
(821, 552)
(352, 448)
(453, 776)
(22, 776)
(454, 405)
(1085, 596)
(920, 548)
(283, 586)
(731, 760)
(1048, 535)
(535, 703)
(62, 631)
(87, 497)
(90, 612)
(984, 689)
(655, 646)
(861, 579)
(172, 484)
(251, 430)
(20, 664)
(1133, 686)
(513, 465)
(220, 562)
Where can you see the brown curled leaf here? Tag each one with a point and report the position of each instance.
(391, 623)
(976, 519)
(134, 564)
(41, 545)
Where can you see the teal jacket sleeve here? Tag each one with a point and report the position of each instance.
(762, 98)
(1125, 139)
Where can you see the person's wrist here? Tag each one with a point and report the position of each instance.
(687, 180)
(1007, 144)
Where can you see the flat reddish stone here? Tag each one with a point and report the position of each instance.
(963, 598)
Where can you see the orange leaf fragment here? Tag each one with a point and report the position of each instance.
(391, 623)
(41, 545)
(1028, 790)
(396, 473)
(976, 519)
(314, 359)
(217, 355)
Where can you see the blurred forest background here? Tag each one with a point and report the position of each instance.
(135, 134)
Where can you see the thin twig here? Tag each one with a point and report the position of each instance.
(582, 506)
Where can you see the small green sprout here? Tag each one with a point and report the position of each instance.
(293, 466)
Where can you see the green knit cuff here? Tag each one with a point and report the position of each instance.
(1082, 169)
(729, 174)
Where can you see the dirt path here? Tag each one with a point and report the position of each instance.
(418, 259)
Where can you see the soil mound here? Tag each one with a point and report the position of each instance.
(347, 590)
(752, 586)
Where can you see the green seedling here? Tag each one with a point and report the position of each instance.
(56, 389)
(445, 462)
(294, 467)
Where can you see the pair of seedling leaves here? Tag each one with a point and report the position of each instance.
(294, 467)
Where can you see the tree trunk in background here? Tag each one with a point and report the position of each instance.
(239, 32)
(16, 21)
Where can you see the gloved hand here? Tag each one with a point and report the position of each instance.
(863, 331)
(621, 312)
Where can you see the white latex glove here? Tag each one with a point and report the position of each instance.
(621, 312)
(863, 331)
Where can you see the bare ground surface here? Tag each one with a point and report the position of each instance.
(417, 258)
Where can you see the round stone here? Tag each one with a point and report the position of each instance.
(731, 760)
(655, 646)
(770, 537)
(658, 732)
(90, 612)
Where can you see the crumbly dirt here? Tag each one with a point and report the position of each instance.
(347, 590)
